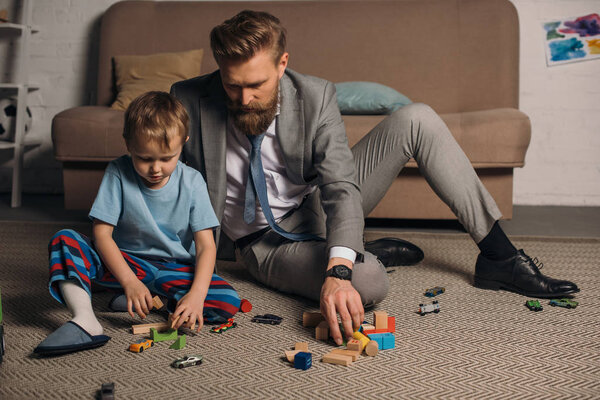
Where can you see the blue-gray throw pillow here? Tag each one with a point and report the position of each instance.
(368, 98)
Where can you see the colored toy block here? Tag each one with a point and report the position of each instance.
(245, 306)
(380, 319)
(347, 352)
(332, 358)
(362, 338)
(354, 345)
(372, 348)
(322, 331)
(291, 354)
(310, 319)
(145, 328)
(170, 334)
(302, 346)
(179, 343)
(385, 340)
(391, 324)
(157, 304)
(303, 360)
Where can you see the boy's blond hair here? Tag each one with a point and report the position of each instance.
(242, 36)
(155, 116)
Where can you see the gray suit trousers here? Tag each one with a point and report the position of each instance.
(414, 131)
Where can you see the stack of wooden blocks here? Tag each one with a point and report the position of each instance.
(370, 338)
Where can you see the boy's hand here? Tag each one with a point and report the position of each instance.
(190, 307)
(139, 298)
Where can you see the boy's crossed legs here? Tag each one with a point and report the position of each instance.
(74, 264)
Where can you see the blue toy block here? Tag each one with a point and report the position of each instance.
(384, 340)
(303, 360)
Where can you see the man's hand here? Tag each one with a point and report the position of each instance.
(190, 307)
(139, 298)
(339, 296)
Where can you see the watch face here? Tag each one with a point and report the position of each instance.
(342, 271)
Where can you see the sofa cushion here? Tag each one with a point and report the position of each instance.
(137, 74)
(368, 98)
(495, 138)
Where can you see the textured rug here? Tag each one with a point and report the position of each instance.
(482, 345)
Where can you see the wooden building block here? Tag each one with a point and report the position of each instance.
(157, 304)
(332, 358)
(372, 348)
(322, 331)
(391, 324)
(367, 327)
(310, 319)
(170, 334)
(179, 343)
(302, 346)
(346, 352)
(354, 345)
(362, 338)
(171, 321)
(380, 319)
(303, 360)
(145, 328)
(290, 354)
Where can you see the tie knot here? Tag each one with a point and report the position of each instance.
(256, 140)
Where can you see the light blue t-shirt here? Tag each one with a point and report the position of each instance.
(158, 223)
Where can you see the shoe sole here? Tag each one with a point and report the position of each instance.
(495, 285)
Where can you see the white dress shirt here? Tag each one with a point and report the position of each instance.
(283, 194)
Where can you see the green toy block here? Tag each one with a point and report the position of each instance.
(171, 334)
(179, 343)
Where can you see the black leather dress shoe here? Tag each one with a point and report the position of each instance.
(519, 274)
(394, 252)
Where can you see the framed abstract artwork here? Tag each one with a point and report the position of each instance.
(572, 39)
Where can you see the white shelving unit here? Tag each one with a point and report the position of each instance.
(21, 87)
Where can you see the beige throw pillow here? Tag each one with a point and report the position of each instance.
(139, 74)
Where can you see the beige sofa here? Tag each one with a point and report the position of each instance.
(459, 56)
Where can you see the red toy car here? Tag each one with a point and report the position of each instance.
(222, 328)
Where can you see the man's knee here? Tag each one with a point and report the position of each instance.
(370, 279)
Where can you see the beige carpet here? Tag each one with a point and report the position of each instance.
(482, 345)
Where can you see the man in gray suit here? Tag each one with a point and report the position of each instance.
(292, 195)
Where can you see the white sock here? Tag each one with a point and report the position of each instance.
(80, 304)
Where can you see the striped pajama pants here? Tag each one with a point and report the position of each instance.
(73, 257)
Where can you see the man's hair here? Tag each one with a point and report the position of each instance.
(155, 116)
(242, 36)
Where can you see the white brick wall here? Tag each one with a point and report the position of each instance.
(562, 165)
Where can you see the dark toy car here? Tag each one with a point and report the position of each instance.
(534, 305)
(434, 291)
(222, 328)
(267, 319)
(107, 391)
(567, 303)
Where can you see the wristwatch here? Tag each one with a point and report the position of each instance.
(340, 271)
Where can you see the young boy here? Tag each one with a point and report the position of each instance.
(152, 233)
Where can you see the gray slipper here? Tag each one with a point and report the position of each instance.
(67, 339)
(118, 303)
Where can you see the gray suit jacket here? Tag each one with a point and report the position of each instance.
(312, 137)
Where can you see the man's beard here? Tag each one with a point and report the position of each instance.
(254, 118)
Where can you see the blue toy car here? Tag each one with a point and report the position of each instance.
(434, 291)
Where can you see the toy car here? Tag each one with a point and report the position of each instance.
(107, 391)
(187, 361)
(267, 319)
(567, 303)
(141, 345)
(534, 305)
(222, 328)
(434, 291)
(429, 308)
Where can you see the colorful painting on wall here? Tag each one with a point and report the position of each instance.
(572, 39)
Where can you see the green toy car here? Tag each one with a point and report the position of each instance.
(567, 303)
(534, 305)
